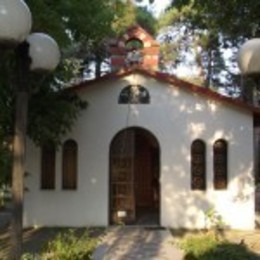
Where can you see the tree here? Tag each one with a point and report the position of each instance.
(210, 29)
(240, 16)
(52, 111)
(187, 37)
(69, 22)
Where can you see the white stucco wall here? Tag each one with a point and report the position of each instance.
(176, 118)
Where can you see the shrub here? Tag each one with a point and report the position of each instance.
(67, 246)
(205, 246)
(196, 245)
(230, 251)
(214, 219)
(5, 195)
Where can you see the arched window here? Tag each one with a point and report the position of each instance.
(69, 165)
(220, 164)
(198, 165)
(48, 166)
(134, 94)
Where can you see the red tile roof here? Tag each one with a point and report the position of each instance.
(173, 80)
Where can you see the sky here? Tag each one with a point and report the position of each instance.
(158, 6)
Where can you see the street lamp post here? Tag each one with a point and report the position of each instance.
(249, 65)
(38, 52)
(249, 62)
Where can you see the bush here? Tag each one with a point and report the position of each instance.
(206, 247)
(5, 195)
(197, 245)
(67, 246)
(229, 251)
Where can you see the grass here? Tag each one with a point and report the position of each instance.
(66, 246)
(36, 240)
(206, 246)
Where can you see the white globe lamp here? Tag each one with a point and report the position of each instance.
(43, 51)
(15, 22)
(249, 57)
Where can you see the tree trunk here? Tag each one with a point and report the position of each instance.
(198, 58)
(98, 67)
(209, 70)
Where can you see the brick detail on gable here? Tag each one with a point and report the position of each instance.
(149, 52)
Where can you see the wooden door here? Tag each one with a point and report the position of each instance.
(143, 173)
(122, 195)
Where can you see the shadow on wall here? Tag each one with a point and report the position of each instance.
(191, 111)
(192, 205)
(189, 209)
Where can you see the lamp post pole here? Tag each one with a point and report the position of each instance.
(36, 51)
(249, 65)
(19, 144)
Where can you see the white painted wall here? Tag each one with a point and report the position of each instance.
(176, 118)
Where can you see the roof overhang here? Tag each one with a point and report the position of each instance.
(176, 82)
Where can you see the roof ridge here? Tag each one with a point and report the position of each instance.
(171, 79)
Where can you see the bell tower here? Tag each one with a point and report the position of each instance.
(135, 47)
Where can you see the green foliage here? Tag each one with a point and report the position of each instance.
(229, 14)
(5, 165)
(186, 33)
(6, 126)
(129, 14)
(205, 246)
(51, 110)
(215, 223)
(67, 246)
(48, 18)
(5, 194)
(71, 21)
(146, 20)
(52, 114)
(206, 29)
(197, 245)
(82, 28)
(215, 220)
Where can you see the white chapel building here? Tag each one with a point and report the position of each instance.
(150, 149)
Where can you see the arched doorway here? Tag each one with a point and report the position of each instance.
(134, 178)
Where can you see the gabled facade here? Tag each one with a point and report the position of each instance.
(172, 158)
(150, 149)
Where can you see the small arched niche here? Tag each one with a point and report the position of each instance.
(134, 94)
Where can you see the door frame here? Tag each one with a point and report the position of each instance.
(149, 133)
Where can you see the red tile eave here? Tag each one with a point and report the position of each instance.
(201, 90)
(170, 79)
(110, 76)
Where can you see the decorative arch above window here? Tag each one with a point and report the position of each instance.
(220, 164)
(69, 165)
(198, 165)
(134, 94)
(48, 159)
